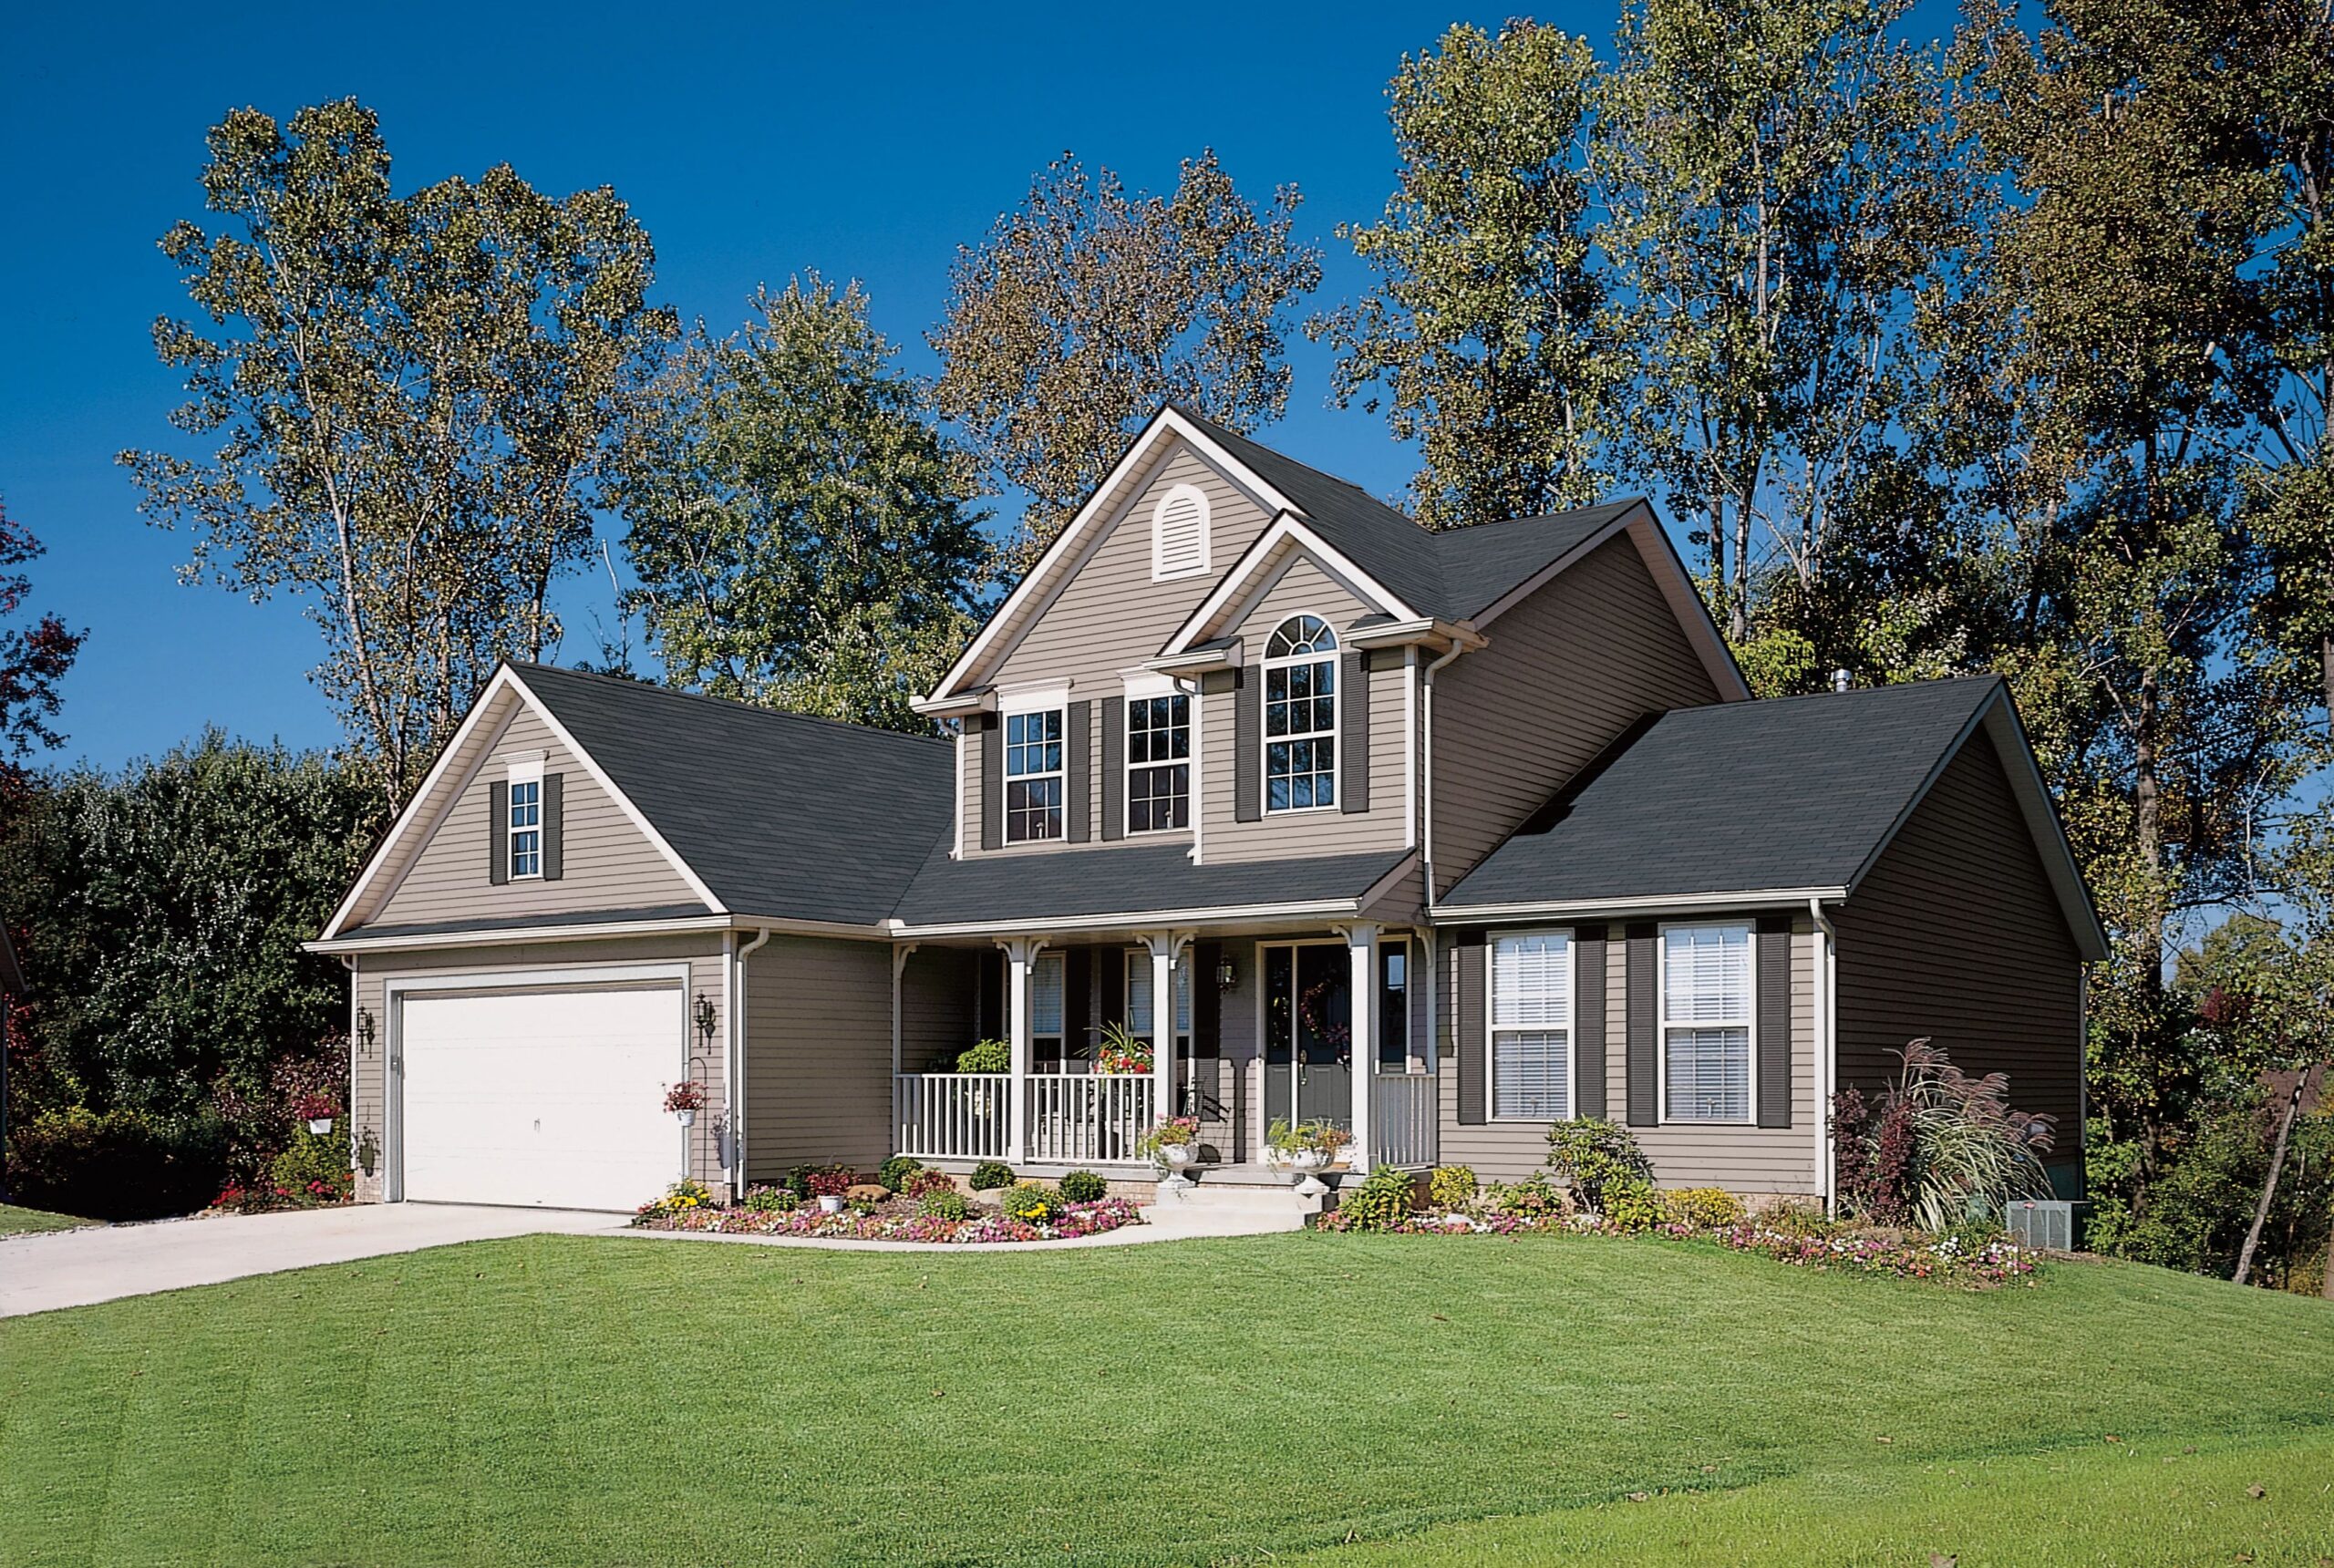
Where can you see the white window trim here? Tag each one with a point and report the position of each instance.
(1661, 1027)
(1491, 1031)
(1128, 765)
(1414, 1059)
(1159, 572)
(1334, 734)
(527, 768)
(1006, 778)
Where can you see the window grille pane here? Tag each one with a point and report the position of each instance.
(1531, 980)
(1158, 797)
(1531, 1074)
(1709, 1075)
(1707, 973)
(1045, 994)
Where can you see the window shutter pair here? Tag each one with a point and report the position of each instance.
(1772, 1046)
(551, 822)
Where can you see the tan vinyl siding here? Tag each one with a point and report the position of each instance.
(544, 961)
(819, 1053)
(939, 1006)
(1741, 1159)
(1955, 936)
(609, 861)
(1567, 670)
(1304, 589)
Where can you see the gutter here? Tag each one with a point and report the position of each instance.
(1827, 1050)
(1617, 908)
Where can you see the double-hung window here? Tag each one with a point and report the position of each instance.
(1301, 716)
(526, 825)
(1706, 1023)
(1531, 1025)
(1159, 763)
(1033, 775)
(1048, 1013)
(1141, 1019)
(1394, 1006)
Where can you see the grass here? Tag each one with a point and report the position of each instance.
(637, 1401)
(16, 1222)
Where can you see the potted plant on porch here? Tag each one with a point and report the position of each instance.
(1119, 1052)
(685, 1099)
(1172, 1144)
(1308, 1146)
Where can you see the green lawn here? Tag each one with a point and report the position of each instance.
(621, 1401)
(16, 1222)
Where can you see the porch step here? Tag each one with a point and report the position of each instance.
(1214, 1207)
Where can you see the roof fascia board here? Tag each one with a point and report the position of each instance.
(1656, 904)
(682, 925)
(1235, 591)
(1126, 918)
(504, 679)
(1034, 584)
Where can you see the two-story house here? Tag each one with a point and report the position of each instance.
(1440, 836)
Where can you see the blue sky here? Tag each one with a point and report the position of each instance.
(864, 142)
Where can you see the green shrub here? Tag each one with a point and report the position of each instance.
(1452, 1186)
(1703, 1208)
(315, 1165)
(1084, 1187)
(928, 1181)
(798, 1181)
(1028, 1201)
(1534, 1197)
(1381, 1200)
(1595, 1155)
(988, 1056)
(1797, 1218)
(990, 1173)
(893, 1173)
(946, 1204)
(770, 1200)
(117, 1164)
(1631, 1206)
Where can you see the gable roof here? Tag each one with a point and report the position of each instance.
(1776, 800)
(779, 813)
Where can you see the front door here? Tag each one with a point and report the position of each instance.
(1308, 1033)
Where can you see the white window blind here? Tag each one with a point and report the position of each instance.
(1706, 1023)
(1045, 994)
(1138, 995)
(1531, 1025)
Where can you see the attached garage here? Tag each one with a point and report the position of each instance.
(538, 1095)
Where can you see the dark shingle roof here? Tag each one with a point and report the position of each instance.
(1793, 792)
(1455, 573)
(779, 813)
(1124, 879)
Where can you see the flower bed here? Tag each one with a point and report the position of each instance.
(892, 1221)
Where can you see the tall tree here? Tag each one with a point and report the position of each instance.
(1088, 305)
(1779, 189)
(32, 659)
(798, 527)
(409, 395)
(1489, 333)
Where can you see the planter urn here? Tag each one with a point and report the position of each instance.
(1176, 1156)
(830, 1203)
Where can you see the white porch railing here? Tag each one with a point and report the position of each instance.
(1097, 1117)
(1402, 1120)
(953, 1116)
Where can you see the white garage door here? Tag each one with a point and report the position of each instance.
(543, 1098)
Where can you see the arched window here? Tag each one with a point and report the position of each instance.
(1179, 538)
(1301, 715)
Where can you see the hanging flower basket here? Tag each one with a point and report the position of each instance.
(685, 1099)
(318, 1110)
(320, 1125)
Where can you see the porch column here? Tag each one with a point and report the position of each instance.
(1021, 958)
(1361, 1010)
(901, 952)
(1162, 945)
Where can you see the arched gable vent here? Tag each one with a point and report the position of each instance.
(1179, 543)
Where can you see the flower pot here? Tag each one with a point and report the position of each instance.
(685, 1118)
(1175, 1156)
(831, 1203)
(320, 1125)
(1305, 1161)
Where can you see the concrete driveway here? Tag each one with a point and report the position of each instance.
(74, 1268)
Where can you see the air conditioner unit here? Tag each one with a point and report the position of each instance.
(2032, 1223)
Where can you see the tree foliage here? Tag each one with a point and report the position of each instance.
(1088, 305)
(409, 395)
(33, 658)
(798, 528)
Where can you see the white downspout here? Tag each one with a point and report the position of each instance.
(1827, 1051)
(1426, 743)
(738, 1061)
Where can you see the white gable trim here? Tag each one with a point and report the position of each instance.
(427, 805)
(1253, 575)
(1037, 585)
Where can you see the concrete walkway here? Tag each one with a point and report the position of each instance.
(74, 1268)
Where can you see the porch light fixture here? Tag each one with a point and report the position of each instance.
(705, 1019)
(1227, 976)
(365, 1029)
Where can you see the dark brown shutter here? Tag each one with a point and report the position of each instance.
(1207, 1002)
(1773, 980)
(1247, 749)
(992, 744)
(1114, 767)
(1588, 1020)
(554, 803)
(1111, 985)
(1077, 1003)
(1080, 784)
(1644, 1023)
(1467, 1029)
(498, 833)
(1353, 734)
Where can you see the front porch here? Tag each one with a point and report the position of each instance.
(1262, 1027)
